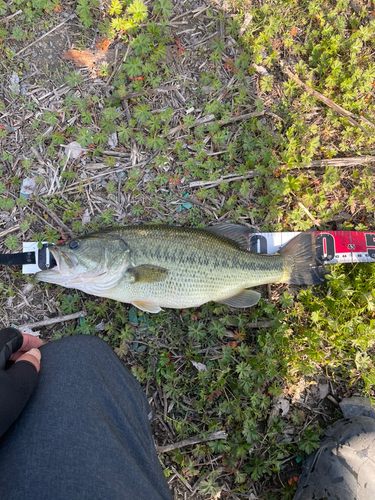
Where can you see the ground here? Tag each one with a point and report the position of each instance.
(257, 113)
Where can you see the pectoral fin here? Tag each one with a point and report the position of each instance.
(147, 306)
(246, 298)
(146, 274)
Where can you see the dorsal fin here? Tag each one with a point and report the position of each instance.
(238, 234)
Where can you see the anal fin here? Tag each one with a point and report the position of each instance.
(149, 307)
(246, 298)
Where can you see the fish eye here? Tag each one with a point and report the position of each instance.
(74, 244)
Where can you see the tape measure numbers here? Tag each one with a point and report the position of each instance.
(332, 247)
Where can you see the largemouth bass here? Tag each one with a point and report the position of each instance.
(165, 266)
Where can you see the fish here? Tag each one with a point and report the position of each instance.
(156, 266)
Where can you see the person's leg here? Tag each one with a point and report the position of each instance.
(85, 433)
(344, 466)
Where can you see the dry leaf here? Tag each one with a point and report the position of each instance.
(86, 217)
(112, 140)
(199, 366)
(27, 187)
(283, 405)
(14, 83)
(89, 58)
(74, 149)
(246, 22)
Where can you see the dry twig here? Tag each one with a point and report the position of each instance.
(9, 230)
(115, 70)
(8, 18)
(341, 111)
(260, 324)
(46, 34)
(309, 214)
(211, 119)
(342, 162)
(224, 178)
(191, 441)
(152, 91)
(54, 217)
(51, 321)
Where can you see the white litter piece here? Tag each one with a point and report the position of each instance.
(74, 148)
(27, 188)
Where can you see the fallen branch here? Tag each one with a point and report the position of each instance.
(239, 118)
(160, 90)
(51, 321)
(191, 441)
(342, 162)
(115, 70)
(224, 178)
(309, 214)
(260, 324)
(9, 230)
(341, 111)
(54, 217)
(211, 120)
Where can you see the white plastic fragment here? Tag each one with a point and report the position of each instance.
(199, 366)
(86, 217)
(283, 405)
(112, 140)
(74, 149)
(247, 19)
(261, 70)
(14, 83)
(27, 187)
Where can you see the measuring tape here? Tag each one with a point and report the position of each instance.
(332, 247)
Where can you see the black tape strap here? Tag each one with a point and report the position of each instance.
(17, 259)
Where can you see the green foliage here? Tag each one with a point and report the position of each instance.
(70, 303)
(12, 242)
(163, 8)
(133, 66)
(84, 10)
(125, 19)
(141, 45)
(309, 441)
(341, 322)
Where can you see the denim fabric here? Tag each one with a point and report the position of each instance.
(85, 432)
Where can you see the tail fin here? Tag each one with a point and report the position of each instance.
(301, 265)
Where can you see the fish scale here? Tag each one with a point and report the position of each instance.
(225, 271)
(166, 266)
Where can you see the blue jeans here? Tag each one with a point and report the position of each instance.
(85, 432)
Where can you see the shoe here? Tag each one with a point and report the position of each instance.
(344, 466)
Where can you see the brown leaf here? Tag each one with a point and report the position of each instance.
(89, 58)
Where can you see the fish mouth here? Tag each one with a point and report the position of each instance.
(65, 262)
(62, 272)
